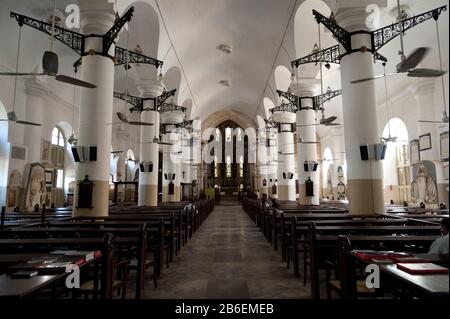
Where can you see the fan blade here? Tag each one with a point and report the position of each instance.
(426, 73)
(137, 123)
(74, 81)
(21, 74)
(373, 78)
(164, 143)
(116, 152)
(306, 125)
(412, 60)
(328, 120)
(427, 121)
(309, 142)
(122, 117)
(333, 124)
(28, 123)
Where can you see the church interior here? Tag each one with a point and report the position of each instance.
(224, 149)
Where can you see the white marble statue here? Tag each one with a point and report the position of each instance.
(431, 191)
(421, 180)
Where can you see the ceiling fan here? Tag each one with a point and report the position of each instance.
(11, 116)
(326, 121)
(124, 119)
(408, 64)
(50, 65)
(116, 152)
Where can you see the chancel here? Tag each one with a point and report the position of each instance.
(258, 149)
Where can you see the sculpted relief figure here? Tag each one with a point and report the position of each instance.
(431, 191)
(421, 180)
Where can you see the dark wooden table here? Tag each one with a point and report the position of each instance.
(25, 287)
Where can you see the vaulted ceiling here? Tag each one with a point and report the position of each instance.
(263, 35)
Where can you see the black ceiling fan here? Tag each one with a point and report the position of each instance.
(117, 152)
(50, 65)
(326, 121)
(408, 64)
(12, 116)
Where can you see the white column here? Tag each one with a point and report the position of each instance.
(96, 105)
(149, 152)
(36, 90)
(365, 178)
(306, 130)
(286, 164)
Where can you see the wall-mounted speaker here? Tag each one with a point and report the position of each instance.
(146, 167)
(306, 166)
(78, 153)
(284, 175)
(165, 176)
(364, 151)
(380, 151)
(315, 166)
(92, 153)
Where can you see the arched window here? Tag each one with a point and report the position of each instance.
(216, 167)
(241, 166)
(217, 138)
(228, 167)
(58, 137)
(228, 134)
(239, 134)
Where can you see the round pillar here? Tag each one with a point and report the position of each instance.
(96, 106)
(365, 177)
(149, 151)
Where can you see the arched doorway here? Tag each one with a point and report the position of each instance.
(396, 164)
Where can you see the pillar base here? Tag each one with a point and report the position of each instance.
(148, 195)
(286, 192)
(365, 196)
(100, 201)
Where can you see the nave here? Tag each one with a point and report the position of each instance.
(228, 258)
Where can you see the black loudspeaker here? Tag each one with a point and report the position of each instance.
(142, 167)
(92, 153)
(146, 167)
(270, 180)
(150, 167)
(309, 187)
(315, 165)
(165, 176)
(173, 176)
(380, 151)
(78, 153)
(305, 166)
(284, 175)
(364, 150)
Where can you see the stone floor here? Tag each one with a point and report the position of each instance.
(227, 258)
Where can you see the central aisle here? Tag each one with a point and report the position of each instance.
(227, 258)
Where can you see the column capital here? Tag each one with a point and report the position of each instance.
(352, 14)
(149, 88)
(305, 87)
(37, 87)
(96, 16)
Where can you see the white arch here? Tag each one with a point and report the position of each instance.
(282, 77)
(268, 104)
(395, 127)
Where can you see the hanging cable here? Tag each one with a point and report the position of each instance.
(440, 64)
(53, 25)
(387, 101)
(17, 69)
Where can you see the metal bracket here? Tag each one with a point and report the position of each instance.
(134, 57)
(136, 101)
(294, 99)
(284, 107)
(111, 35)
(163, 97)
(319, 100)
(73, 40)
(342, 35)
(330, 55)
(383, 35)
